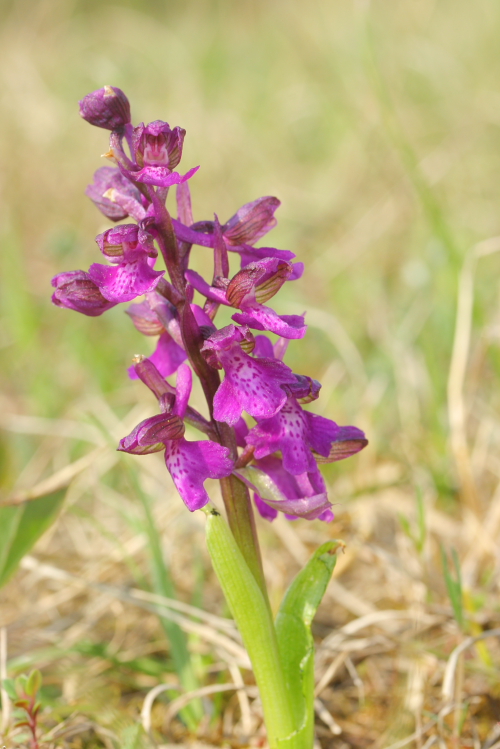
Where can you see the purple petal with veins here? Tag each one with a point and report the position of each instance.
(151, 434)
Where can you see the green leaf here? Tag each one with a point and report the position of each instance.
(22, 525)
(295, 641)
(34, 682)
(253, 617)
(10, 687)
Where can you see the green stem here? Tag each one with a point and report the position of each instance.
(253, 617)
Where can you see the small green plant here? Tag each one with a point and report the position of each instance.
(23, 691)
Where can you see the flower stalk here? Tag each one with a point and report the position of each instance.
(275, 450)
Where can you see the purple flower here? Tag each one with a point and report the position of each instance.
(189, 463)
(277, 490)
(254, 284)
(130, 248)
(251, 221)
(76, 290)
(157, 145)
(297, 433)
(107, 107)
(115, 195)
(251, 384)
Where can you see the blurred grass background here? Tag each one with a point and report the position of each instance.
(378, 127)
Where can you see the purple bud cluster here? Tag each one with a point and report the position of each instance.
(240, 372)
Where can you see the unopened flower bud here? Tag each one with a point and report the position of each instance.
(76, 290)
(157, 145)
(107, 107)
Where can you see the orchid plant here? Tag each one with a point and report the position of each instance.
(273, 456)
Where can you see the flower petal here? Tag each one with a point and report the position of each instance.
(167, 357)
(161, 176)
(191, 463)
(260, 317)
(183, 389)
(125, 282)
(210, 292)
(287, 431)
(291, 503)
(150, 435)
(251, 385)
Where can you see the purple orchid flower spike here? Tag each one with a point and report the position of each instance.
(132, 253)
(277, 490)
(76, 290)
(107, 107)
(189, 463)
(115, 195)
(251, 384)
(300, 436)
(250, 287)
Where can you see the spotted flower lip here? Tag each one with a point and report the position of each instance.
(250, 384)
(108, 107)
(276, 490)
(156, 144)
(301, 435)
(76, 290)
(127, 281)
(115, 195)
